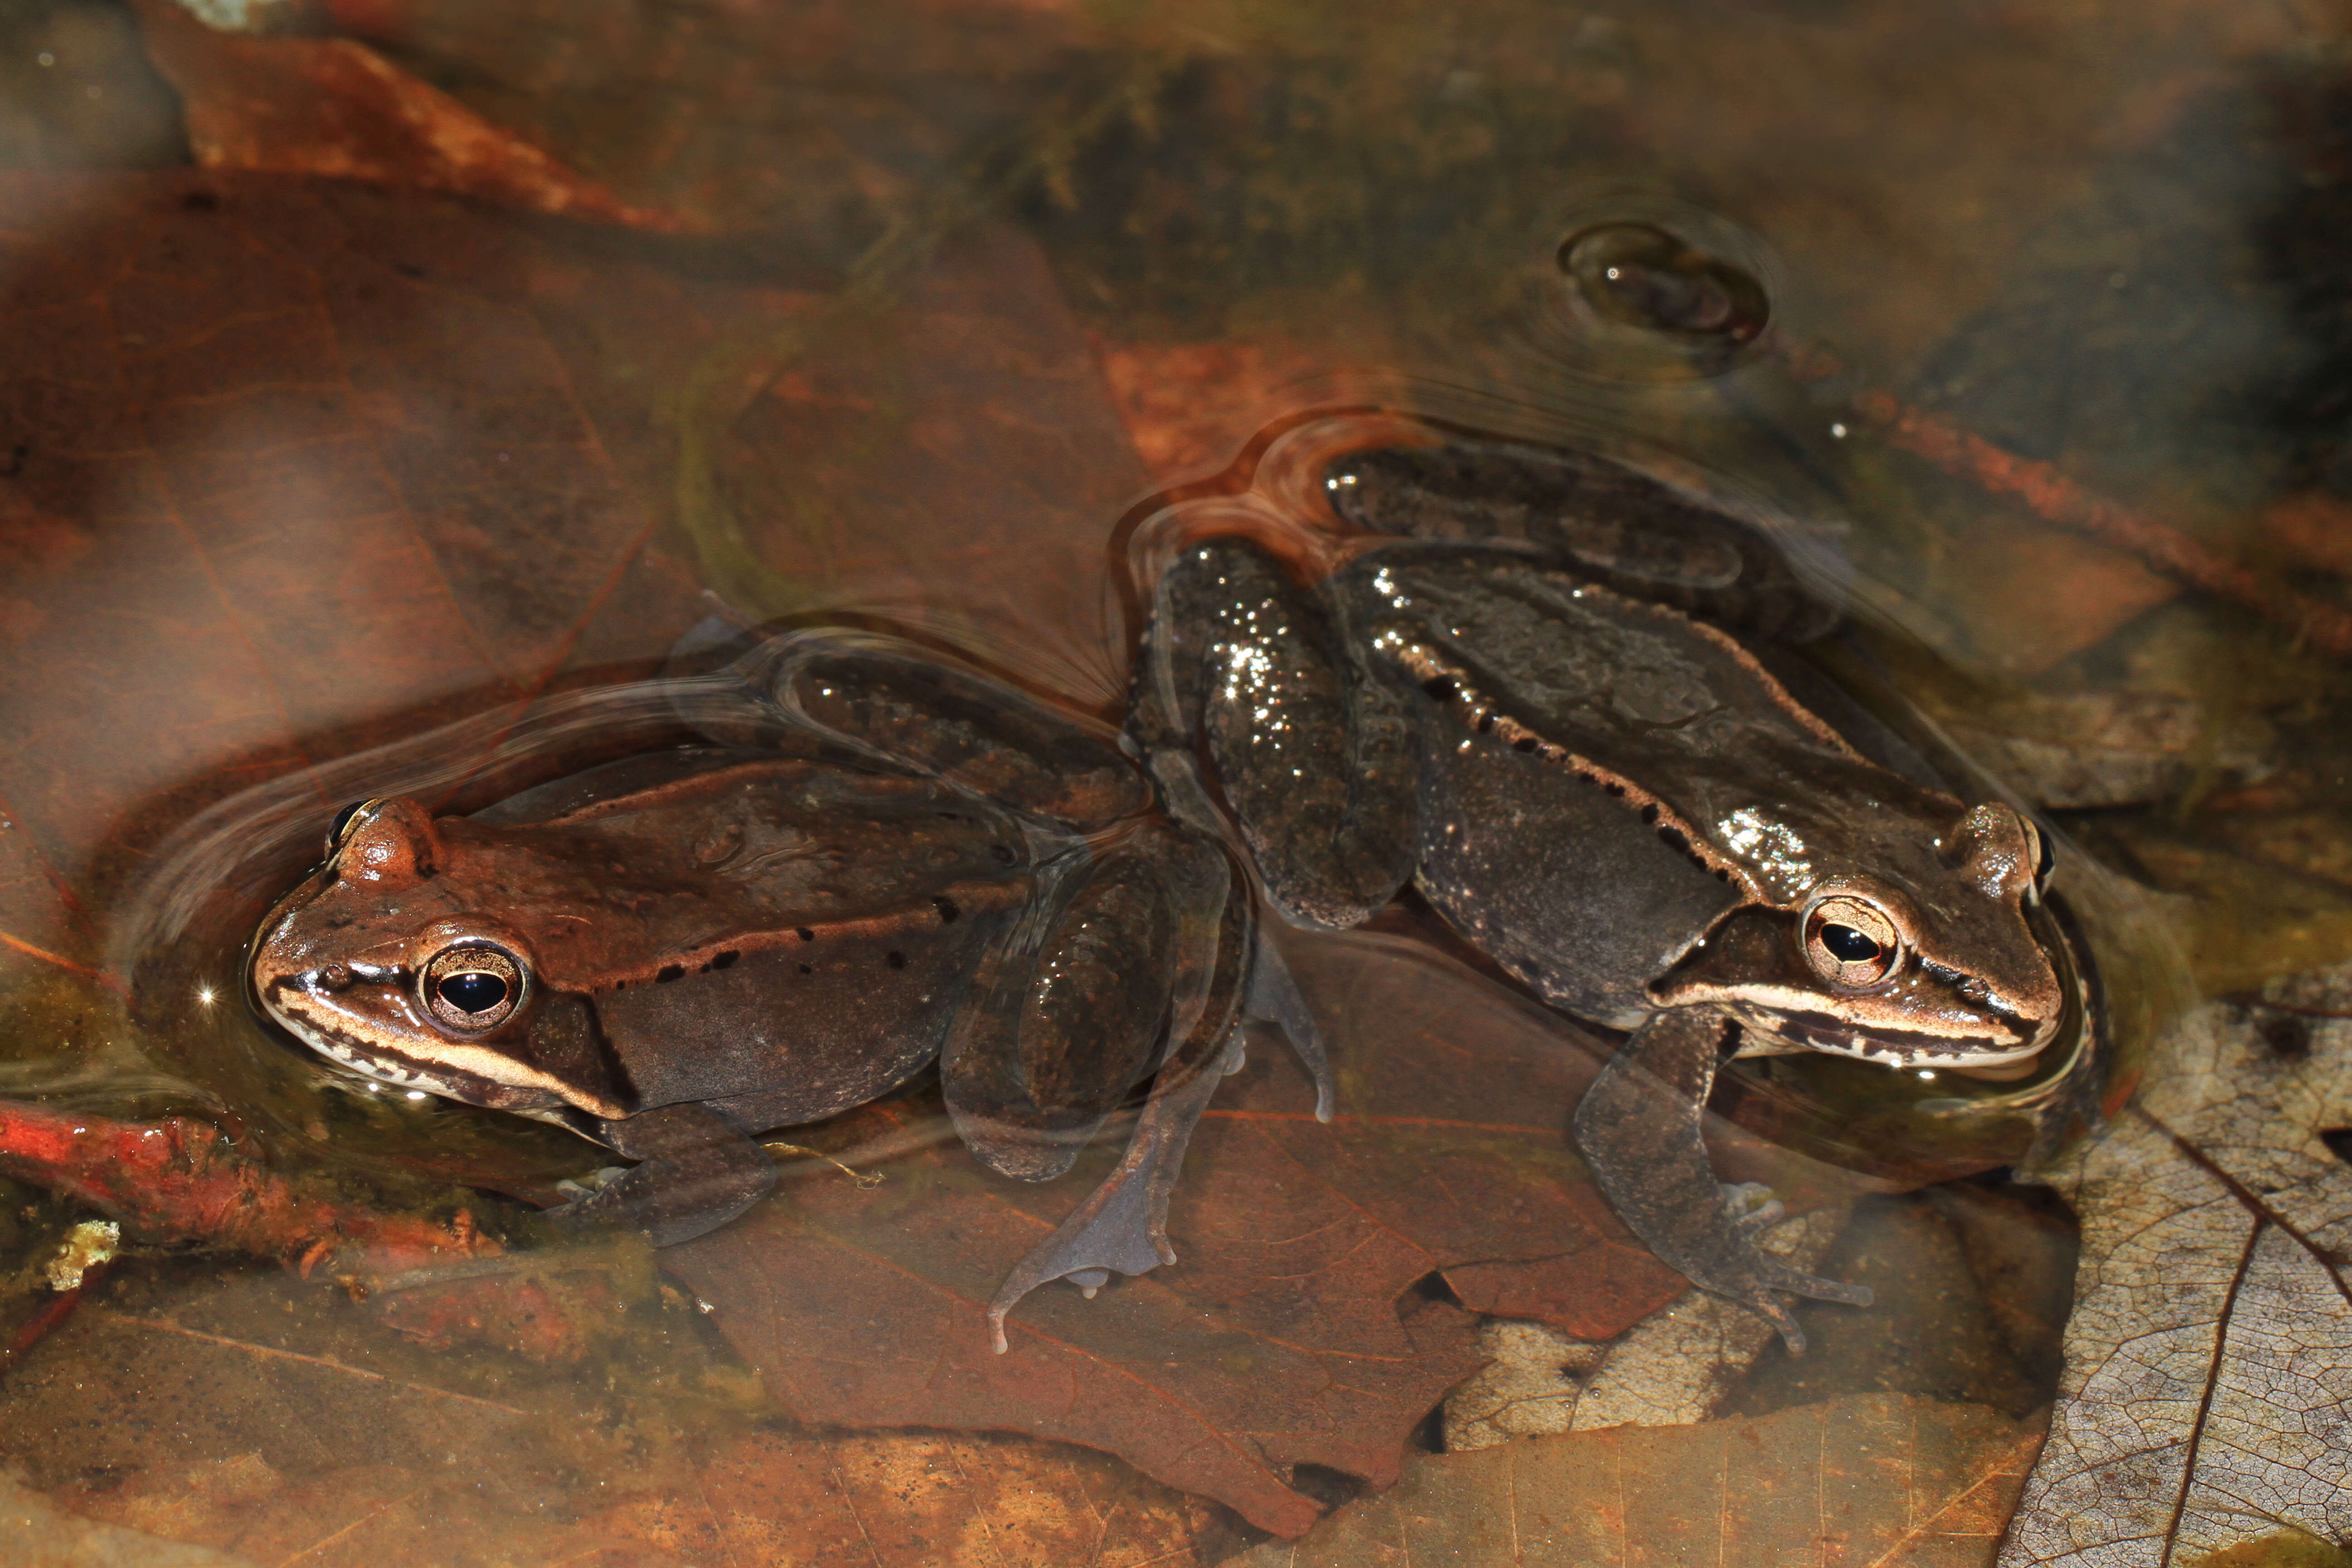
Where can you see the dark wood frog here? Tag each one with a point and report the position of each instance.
(675, 951)
(1538, 707)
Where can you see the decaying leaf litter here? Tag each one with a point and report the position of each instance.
(1928, 536)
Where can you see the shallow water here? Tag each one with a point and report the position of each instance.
(2024, 326)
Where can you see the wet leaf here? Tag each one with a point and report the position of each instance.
(332, 106)
(2208, 1392)
(937, 447)
(822, 124)
(1671, 1368)
(204, 1409)
(1290, 1330)
(299, 464)
(41, 1532)
(1886, 1480)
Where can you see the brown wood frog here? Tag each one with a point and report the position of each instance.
(1553, 706)
(673, 952)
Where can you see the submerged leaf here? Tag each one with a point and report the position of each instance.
(2208, 1393)
(1886, 1480)
(1301, 1324)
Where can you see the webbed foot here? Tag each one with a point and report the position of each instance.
(1123, 1224)
(1274, 998)
(1638, 1128)
(696, 1171)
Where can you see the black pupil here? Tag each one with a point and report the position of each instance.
(474, 991)
(1848, 945)
(343, 820)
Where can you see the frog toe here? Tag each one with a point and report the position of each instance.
(1752, 1207)
(1274, 998)
(1119, 1229)
(579, 1189)
(1798, 1283)
(1767, 1307)
(696, 1171)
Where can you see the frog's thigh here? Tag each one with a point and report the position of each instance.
(1316, 758)
(1638, 1128)
(980, 732)
(698, 1170)
(1052, 1053)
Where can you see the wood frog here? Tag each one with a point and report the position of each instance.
(673, 952)
(1538, 708)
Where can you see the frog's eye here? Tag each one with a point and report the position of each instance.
(343, 821)
(1852, 942)
(472, 987)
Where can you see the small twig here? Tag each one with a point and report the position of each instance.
(2055, 499)
(18, 944)
(326, 1363)
(50, 1317)
(862, 1178)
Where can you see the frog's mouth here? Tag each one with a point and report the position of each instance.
(1890, 1047)
(322, 1026)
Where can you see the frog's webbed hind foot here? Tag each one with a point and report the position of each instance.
(697, 1172)
(1123, 1224)
(1638, 1128)
(1274, 998)
(1122, 1227)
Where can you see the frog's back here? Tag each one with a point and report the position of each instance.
(783, 938)
(1603, 777)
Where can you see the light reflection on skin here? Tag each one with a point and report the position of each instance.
(1774, 847)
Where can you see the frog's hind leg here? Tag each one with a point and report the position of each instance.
(1123, 1224)
(920, 708)
(1638, 1128)
(1316, 755)
(1069, 1007)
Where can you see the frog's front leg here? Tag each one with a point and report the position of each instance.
(697, 1172)
(1638, 1127)
(1316, 754)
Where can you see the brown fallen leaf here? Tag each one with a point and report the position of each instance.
(822, 124)
(39, 1533)
(940, 451)
(1301, 1324)
(1189, 408)
(2207, 1398)
(201, 1412)
(1881, 1481)
(298, 465)
(335, 106)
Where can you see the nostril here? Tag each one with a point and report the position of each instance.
(334, 977)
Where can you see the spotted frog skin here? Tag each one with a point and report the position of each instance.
(1535, 685)
(676, 951)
